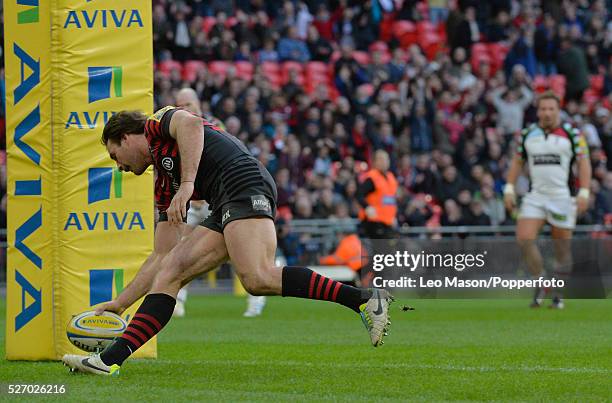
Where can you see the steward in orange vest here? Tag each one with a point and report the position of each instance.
(379, 191)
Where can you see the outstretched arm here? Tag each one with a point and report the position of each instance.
(166, 237)
(188, 131)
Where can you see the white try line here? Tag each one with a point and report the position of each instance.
(381, 364)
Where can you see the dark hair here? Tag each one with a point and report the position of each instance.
(548, 95)
(124, 122)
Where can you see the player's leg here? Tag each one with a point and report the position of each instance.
(527, 230)
(253, 259)
(562, 218)
(200, 251)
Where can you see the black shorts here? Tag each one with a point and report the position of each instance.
(246, 190)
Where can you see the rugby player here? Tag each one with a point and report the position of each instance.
(187, 99)
(549, 148)
(195, 159)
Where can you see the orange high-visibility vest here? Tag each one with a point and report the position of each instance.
(348, 253)
(382, 198)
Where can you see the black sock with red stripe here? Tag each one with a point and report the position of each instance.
(151, 317)
(301, 282)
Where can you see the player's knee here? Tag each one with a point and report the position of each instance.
(256, 281)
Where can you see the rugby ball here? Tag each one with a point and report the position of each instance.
(92, 333)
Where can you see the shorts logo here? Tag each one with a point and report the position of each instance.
(261, 203)
(167, 163)
(225, 217)
(559, 217)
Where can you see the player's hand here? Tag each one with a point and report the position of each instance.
(178, 206)
(510, 201)
(111, 306)
(582, 205)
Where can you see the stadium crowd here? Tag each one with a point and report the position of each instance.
(314, 87)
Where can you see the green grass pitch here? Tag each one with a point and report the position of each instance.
(483, 350)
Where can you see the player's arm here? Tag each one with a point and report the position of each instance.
(188, 131)
(166, 237)
(516, 166)
(584, 176)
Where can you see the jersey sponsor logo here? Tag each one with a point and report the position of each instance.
(261, 203)
(546, 159)
(167, 163)
(157, 116)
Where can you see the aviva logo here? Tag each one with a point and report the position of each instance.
(101, 285)
(99, 184)
(30, 15)
(102, 80)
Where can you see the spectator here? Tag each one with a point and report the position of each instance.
(292, 48)
(466, 32)
(572, 64)
(546, 46)
(319, 48)
(510, 105)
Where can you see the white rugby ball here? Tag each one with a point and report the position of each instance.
(92, 333)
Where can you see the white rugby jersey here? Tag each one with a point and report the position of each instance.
(550, 157)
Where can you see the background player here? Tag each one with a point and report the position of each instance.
(549, 147)
(195, 159)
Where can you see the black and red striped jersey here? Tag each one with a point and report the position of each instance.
(220, 149)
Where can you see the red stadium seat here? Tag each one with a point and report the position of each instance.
(378, 46)
(557, 85)
(208, 23)
(401, 27)
(244, 70)
(540, 83)
(430, 43)
(405, 32)
(270, 68)
(386, 27)
(361, 57)
(425, 26)
(480, 49)
(316, 67)
(292, 66)
(218, 67)
(597, 83)
(191, 68)
(168, 65)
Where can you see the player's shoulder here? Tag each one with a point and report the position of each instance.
(158, 115)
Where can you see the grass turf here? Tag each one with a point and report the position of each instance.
(493, 350)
